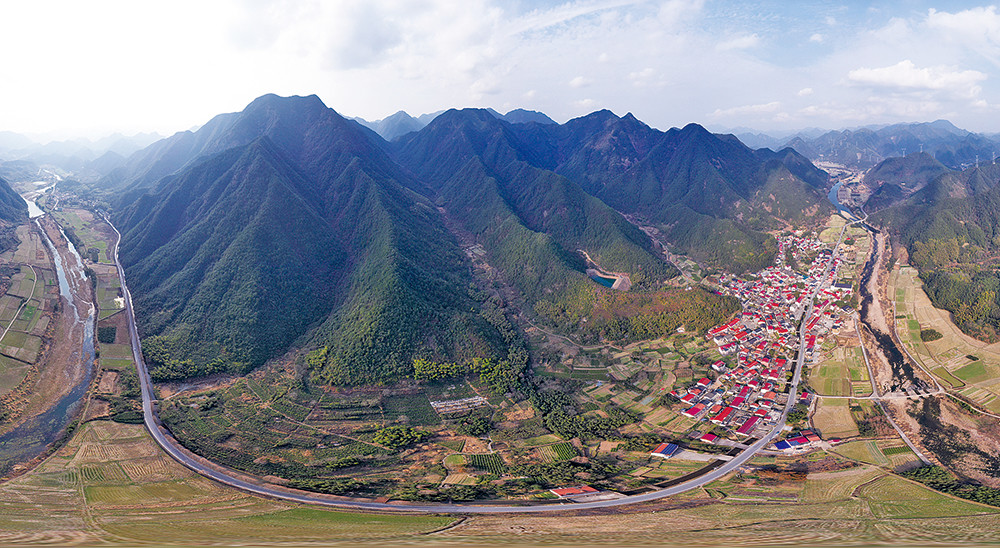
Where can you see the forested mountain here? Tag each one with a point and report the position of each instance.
(299, 222)
(13, 208)
(951, 229)
(287, 224)
(897, 178)
(712, 196)
(530, 220)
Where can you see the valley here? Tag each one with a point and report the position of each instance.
(468, 330)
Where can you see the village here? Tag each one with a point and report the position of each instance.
(749, 391)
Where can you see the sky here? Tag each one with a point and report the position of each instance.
(73, 68)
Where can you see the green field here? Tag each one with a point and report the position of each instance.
(844, 374)
(974, 372)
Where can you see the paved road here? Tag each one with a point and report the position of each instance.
(216, 473)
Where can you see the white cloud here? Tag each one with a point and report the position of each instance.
(763, 108)
(976, 28)
(804, 92)
(579, 82)
(739, 42)
(905, 76)
(817, 37)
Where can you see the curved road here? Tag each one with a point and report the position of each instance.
(221, 475)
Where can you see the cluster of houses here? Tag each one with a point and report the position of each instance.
(747, 398)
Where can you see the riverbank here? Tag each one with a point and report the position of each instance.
(55, 342)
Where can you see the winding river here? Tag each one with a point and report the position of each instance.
(31, 437)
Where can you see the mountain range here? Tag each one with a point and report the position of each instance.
(287, 224)
(401, 123)
(865, 147)
(22, 158)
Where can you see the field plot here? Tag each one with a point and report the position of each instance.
(959, 361)
(864, 451)
(12, 372)
(833, 419)
(825, 513)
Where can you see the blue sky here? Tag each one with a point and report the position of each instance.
(116, 65)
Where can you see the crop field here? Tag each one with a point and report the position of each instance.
(129, 493)
(670, 468)
(836, 486)
(490, 462)
(12, 372)
(115, 363)
(825, 513)
(120, 351)
(844, 374)
(21, 346)
(864, 451)
(833, 419)
(949, 357)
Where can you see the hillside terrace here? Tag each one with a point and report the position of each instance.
(748, 393)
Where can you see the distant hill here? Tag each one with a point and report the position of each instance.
(897, 178)
(521, 116)
(402, 123)
(711, 195)
(393, 126)
(865, 147)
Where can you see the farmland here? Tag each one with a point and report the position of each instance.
(966, 365)
(843, 373)
(111, 483)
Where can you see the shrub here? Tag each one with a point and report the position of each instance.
(928, 335)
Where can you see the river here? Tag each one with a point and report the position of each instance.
(31, 437)
(902, 370)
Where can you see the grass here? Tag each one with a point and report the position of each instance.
(973, 373)
(864, 451)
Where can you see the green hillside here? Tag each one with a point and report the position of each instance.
(951, 229)
(238, 256)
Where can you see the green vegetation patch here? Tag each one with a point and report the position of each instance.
(973, 372)
(928, 335)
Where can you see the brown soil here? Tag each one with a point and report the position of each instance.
(109, 383)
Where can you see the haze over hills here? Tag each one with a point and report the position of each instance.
(867, 146)
(289, 211)
(87, 159)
